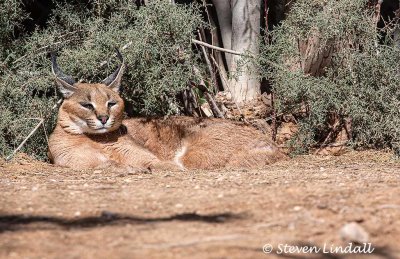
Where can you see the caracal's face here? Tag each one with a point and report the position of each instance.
(92, 109)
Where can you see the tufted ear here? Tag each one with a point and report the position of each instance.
(113, 81)
(65, 83)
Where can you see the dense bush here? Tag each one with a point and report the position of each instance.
(331, 66)
(357, 79)
(11, 15)
(154, 40)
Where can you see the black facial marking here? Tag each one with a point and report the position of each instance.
(87, 105)
(111, 104)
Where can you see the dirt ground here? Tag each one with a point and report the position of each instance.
(52, 212)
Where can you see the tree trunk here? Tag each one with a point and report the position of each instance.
(224, 13)
(245, 35)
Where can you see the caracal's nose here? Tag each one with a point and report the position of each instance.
(103, 118)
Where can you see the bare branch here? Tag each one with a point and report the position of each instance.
(41, 122)
(25, 140)
(217, 48)
(209, 66)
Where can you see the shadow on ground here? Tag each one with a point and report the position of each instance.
(18, 222)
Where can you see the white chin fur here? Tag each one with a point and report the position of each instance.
(100, 131)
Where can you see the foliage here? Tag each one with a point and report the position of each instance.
(154, 40)
(11, 14)
(359, 84)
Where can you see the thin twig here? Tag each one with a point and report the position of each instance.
(33, 131)
(25, 140)
(214, 107)
(209, 66)
(237, 53)
(217, 48)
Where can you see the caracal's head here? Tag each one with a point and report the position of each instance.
(90, 108)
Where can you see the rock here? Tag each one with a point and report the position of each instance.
(297, 208)
(353, 232)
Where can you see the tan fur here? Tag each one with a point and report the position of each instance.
(174, 143)
(91, 133)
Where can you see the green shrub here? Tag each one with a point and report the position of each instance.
(154, 40)
(11, 15)
(361, 81)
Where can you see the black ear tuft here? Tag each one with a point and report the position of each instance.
(64, 82)
(113, 81)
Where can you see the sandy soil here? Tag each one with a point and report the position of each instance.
(52, 212)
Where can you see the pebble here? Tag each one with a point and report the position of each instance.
(353, 232)
(297, 208)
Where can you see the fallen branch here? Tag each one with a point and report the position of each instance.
(41, 121)
(236, 53)
(25, 140)
(209, 66)
(217, 48)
